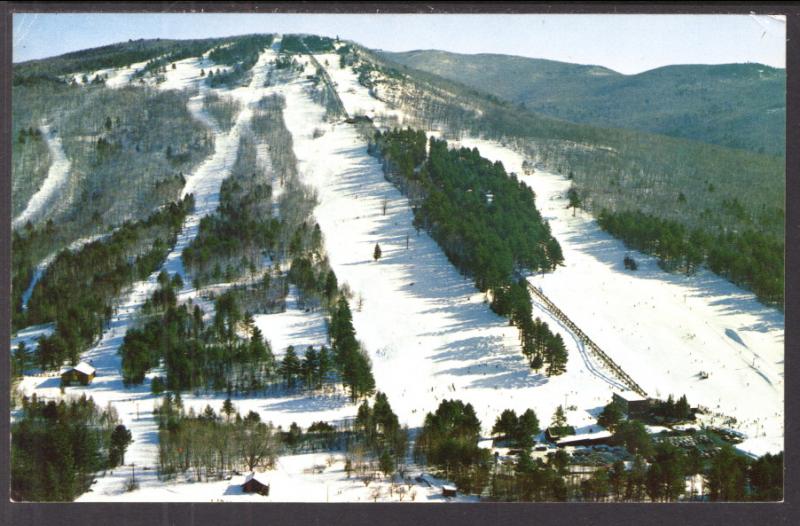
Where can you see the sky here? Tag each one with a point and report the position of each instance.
(625, 43)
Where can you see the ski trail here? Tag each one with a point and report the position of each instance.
(53, 183)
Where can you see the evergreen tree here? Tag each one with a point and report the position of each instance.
(611, 416)
(120, 439)
(386, 462)
(290, 367)
(727, 475)
(227, 408)
(506, 424)
(559, 420)
(574, 199)
(556, 355)
(376, 254)
(527, 429)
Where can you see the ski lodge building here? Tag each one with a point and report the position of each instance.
(632, 403)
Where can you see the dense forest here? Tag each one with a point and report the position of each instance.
(195, 356)
(449, 442)
(79, 289)
(125, 163)
(381, 436)
(57, 448)
(211, 445)
(240, 55)
(734, 105)
(748, 258)
(105, 134)
(112, 56)
(485, 220)
(306, 44)
(224, 110)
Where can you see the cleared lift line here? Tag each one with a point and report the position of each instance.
(593, 347)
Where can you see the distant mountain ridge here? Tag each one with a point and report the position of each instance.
(736, 105)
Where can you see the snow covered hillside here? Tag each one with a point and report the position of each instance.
(57, 176)
(663, 329)
(429, 332)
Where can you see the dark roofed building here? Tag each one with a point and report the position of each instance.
(632, 403)
(256, 483)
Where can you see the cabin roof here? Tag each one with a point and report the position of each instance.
(82, 367)
(597, 435)
(630, 396)
(261, 478)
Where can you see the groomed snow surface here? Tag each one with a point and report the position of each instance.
(662, 328)
(429, 332)
(55, 180)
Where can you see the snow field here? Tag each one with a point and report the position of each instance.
(355, 97)
(296, 478)
(662, 328)
(57, 176)
(429, 332)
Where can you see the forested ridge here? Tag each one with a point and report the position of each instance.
(241, 55)
(735, 105)
(749, 258)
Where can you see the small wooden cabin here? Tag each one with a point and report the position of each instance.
(83, 373)
(256, 483)
(449, 490)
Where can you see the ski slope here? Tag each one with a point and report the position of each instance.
(57, 176)
(135, 404)
(662, 328)
(429, 332)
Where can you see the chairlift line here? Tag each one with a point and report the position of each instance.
(593, 347)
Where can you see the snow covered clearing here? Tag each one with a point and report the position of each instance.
(296, 478)
(30, 335)
(662, 328)
(429, 332)
(114, 77)
(294, 326)
(57, 176)
(187, 73)
(355, 97)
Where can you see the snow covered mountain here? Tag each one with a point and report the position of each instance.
(241, 225)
